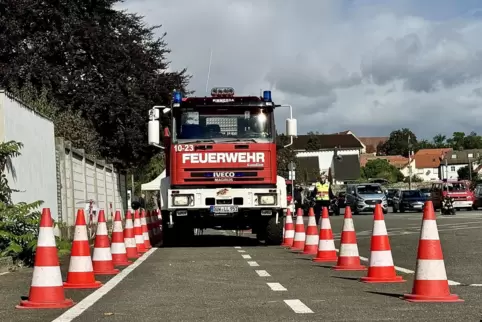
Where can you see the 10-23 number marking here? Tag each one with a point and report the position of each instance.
(184, 148)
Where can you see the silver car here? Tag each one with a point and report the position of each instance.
(364, 197)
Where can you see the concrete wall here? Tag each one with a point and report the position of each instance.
(35, 174)
(82, 178)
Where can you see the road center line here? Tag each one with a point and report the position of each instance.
(298, 307)
(246, 256)
(241, 251)
(262, 273)
(277, 287)
(252, 263)
(90, 300)
(237, 247)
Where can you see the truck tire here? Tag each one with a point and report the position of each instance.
(274, 231)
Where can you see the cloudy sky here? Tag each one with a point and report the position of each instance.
(370, 66)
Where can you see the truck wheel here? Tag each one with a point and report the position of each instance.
(274, 231)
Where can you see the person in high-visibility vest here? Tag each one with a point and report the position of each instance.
(322, 194)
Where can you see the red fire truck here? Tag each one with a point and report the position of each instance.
(221, 164)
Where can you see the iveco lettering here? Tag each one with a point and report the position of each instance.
(221, 143)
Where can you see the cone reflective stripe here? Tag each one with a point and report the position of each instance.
(129, 239)
(381, 268)
(118, 247)
(141, 248)
(102, 257)
(289, 230)
(312, 237)
(430, 283)
(145, 232)
(326, 245)
(46, 289)
(349, 258)
(300, 236)
(81, 272)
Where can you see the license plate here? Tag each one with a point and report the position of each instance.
(224, 209)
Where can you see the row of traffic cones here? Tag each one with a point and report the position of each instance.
(430, 284)
(47, 288)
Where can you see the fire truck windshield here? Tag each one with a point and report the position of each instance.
(223, 124)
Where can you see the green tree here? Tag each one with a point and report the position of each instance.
(398, 143)
(94, 62)
(314, 142)
(284, 155)
(463, 174)
(381, 168)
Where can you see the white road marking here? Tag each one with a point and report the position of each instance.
(475, 284)
(241, 251)
(262, 273)
(246, 256)
(237, 247)
(406, 270)
(298, 307)
(90, 300)
(277, 287)
(4, 273)
(252, 263)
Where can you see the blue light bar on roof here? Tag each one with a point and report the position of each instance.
(177, 97)
(267, 96)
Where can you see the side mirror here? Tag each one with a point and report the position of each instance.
(154, 132)
(291, 127)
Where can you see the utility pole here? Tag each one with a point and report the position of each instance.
(409, 164)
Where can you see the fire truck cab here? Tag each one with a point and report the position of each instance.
(221, 164)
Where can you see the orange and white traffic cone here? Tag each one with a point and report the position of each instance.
(81, 272)
(300, 236)
(289, 230)
(145, 231)
(349, 258)
(102, 257)
(430, 283)
(46, 289)
(141, 248)
(312, 238)
(118, 247)
(326, 245)
(129, 237)
(381, 268)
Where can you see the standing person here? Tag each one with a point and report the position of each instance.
(322, 194)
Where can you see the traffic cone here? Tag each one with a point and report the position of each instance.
(118, 247)
(312, 238)
(129, 238)
(289, 230)
(430, 283)
(349, 259)
(299, 239)
(145, 232)
(381, 268)
(102, 257)
(46, 289)
(81, 272)
(141, 248)
(326, 245)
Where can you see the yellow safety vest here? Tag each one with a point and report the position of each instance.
(322, 191)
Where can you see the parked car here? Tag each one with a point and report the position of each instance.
(390, 193)
(364, 197)
(478, 197)
(412, 200)
(458, 190)
(425, 192)
(341, 199)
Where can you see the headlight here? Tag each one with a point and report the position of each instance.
(267, 200)
(180, 200)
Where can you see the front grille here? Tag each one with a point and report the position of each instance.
(372, 202)
(223, 174)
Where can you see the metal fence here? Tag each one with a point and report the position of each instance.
(81, 178)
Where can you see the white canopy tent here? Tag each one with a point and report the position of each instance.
(154, 185)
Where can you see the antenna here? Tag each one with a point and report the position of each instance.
(209, 70)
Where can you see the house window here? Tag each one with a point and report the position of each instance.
(454, 156)
(471, 155)
(452, 168)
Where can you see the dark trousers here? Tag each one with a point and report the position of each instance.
(319, 204)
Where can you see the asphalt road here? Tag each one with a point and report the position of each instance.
(229, 278)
